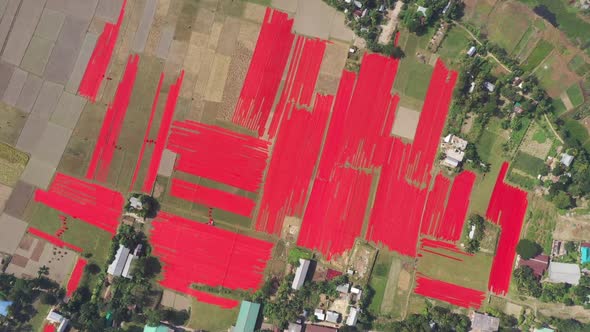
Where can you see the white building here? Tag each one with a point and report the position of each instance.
(566, 159)
(332, 317)
(300, 274)
(454, 149)
(352, 316)
(564, 272)
(471, 51)
(319, 314)
(59, 320)
(121, 265)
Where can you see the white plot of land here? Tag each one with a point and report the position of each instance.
(406, 122)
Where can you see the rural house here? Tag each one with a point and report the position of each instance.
(319, 328)
(121, 265)
(247, 317)
(566, 159)
(484, 323)
(454, 150)
(352, 316)
(471, 51)
(538, 264)
(58, 320)
(564, 272)
(585, 252)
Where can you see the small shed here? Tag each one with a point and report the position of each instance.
(319, 314)
(319, 328)
(564, 272)
(344, 288)
(471, 51)
(566, 159)
(352, 316)
(161, 328)
(294, 327)
(4, 308)
(247, 317)
(332, 317)
(585, 251)
(489, 86)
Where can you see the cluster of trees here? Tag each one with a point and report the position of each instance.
(23, 293)
(528, 249)
(288, 304)
(477, 221)
(150, 206)
(574, 181)
(419, 22)
(527, 283)
(442, 318)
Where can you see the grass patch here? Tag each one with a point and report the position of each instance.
(539, 53)
(209, 317)
(474, 270)
(12, 164)
(297, 253)
(529, 164)
(455, 42)
(558, 106)
(38, 320)
(507, 27)
(413, 77)
(540, 223)
(577, 130)
(579, 66)
(523, 181)
(575, 94)
(524, 40)
(378, 280)
(540, 136)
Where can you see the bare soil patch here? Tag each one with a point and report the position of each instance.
(572, 228)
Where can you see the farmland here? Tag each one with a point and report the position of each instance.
(242, 123)
(540, 52)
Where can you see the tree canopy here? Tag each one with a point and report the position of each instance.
(528, 249)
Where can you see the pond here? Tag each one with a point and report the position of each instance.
(545, 13)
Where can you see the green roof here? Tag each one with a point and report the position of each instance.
(160, 328)
(247, 317)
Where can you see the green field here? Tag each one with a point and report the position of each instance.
(456, 42)
(378, 280)
(507, 27)
(573, 26)
(539, 53)
(528, 164)
(524, 40)
(540, 222)
(12, 164)
(558, 106)
(575, 94)
(524, 181)
(540, 136)
(472, 271)
(413, 76)
(577, 130)
(212, 318)
(579, 66)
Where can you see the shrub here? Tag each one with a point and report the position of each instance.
(528, 249)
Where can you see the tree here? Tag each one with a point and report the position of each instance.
(570, 246)
(48, 298)
(562, 200)
(153, 317)
(43, 271)
(526, 281)
(528, 249)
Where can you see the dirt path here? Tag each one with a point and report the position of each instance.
(553, 129)
(389, 28)
(566, 101)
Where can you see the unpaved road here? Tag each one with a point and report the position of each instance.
(392, 21)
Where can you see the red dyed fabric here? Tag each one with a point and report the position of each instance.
(507, 208)
(456, 210)
(92, 203)
(160, 144)
(49, 328)
(101, 56)
(53, 240)
(111, 126)
(296, 153)
(219, 154)
(265, 72)
(195, 253)
(435, 206)
(212, 197)
(301, 79)
(75, 277)
(450, 293)
(147, 132)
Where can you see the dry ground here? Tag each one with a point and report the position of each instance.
(572, 228)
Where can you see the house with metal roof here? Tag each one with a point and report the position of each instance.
(121, 265)
(538, 264)
(161, 328)
(566, 159)
(564, 272)
(4, 308)
(332, 317)
(585, 251)
(300, 274)
(247, 317)
(352, 316)
(484, 323)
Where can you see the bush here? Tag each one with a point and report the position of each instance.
(528, 249)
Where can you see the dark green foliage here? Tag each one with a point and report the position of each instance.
(526, 281)
(443, 319)
(528, 249)
(472, 245)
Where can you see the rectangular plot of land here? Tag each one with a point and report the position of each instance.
(19, 261)
(109, 9)
(37, 55)
(406, 122)
(165, 41)
(50, 24)
(5, 76)
(65, 52)
(313, 18)
(18, 200)
(38, 173)
(22, 30)
(216, 83)
(47, 100)
(81, 62)
(13, 230)
(15, 86)
(7, 19)
(5, 192)
(167, 163)
(12, 122)
(31, 133)
(143, 30)
(52, 144)
(228, 37)
(203, 20)
(68, 110)
(37, 251)
(29, 93)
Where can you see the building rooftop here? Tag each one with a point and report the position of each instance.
(344, 288)
(352, 316)
(319, 328)
(564, 272)
(484, 323)
(539, 264)
(293, 327)
(332, 316)
(566, 159)
(471, 51)
(4, 308)
(160, 328)
(247, 317)
(118, 265)
(300, 274)
(319, 314)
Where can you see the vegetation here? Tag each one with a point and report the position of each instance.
(418, 21)
(575, 94)
(539, 53)
(529, 164)
(297, 253)
(526, 281)
(528, 249)
(443, 318)
(149, 209)
(23, 293)
(472, 244)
